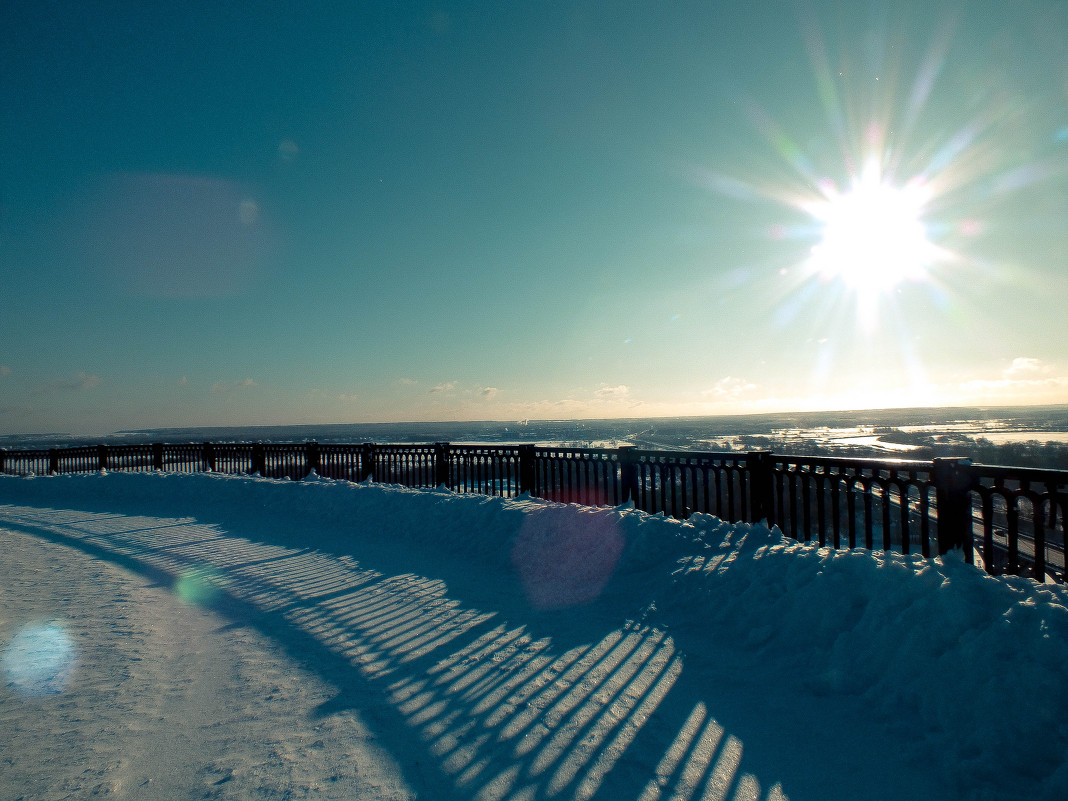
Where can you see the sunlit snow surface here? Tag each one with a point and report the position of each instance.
(531, 649)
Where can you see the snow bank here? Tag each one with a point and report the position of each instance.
(966, 671)
(974, 665)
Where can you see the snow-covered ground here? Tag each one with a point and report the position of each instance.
(204, 636)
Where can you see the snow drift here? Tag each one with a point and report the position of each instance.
(876, 667)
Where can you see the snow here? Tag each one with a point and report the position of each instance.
(176, 635)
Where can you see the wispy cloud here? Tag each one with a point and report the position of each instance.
(447, 386)
(605, 401)
(729, 388)
(230, 386)
(4, 370)
(328, 397)
(489, 392)
(407, 382)
(1025, 380)
(619, 392)
(79, 381)
(1026, 366)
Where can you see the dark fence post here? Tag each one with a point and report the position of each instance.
(953, 483)
(761, 487)
(53, 461)
(157, 456)
(207, 458)
(526, 469)
(102, 457)
(311, 458)
(441, 464)
(628, 475)
(3, 459)
(367, 461)
(259, 459)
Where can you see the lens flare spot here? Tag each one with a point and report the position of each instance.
(248, 211)
(39, 660)
(565, 557)
(288, 149)
(198, 586)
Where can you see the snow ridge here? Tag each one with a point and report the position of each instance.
(957, 676)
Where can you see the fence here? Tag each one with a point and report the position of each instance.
(1007, 519)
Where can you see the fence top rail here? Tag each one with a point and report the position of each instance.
(862, 463)
(275, 449)
(399, 448)
(505, 450)
(589, 453)
(77, 450)
(977, 471)
(1032, 474)
(690, 455)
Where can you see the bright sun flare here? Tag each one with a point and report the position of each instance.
(873, 237)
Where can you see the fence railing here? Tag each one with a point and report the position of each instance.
(1007, 519)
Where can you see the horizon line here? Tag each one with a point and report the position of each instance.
(529, 421)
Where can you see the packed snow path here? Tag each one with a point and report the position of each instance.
(206, 636)
(134, 694)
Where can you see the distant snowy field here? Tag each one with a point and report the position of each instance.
(1048, 424)
(170, 635)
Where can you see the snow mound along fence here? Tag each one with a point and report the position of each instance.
(1008, 520)
(964, 670)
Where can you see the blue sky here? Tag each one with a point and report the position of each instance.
(244, 213)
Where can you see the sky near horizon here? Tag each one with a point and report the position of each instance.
(250, 213)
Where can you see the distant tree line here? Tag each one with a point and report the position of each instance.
(1048, 455)
(1033, 453)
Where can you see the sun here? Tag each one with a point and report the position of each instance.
(872, 237)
